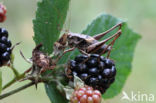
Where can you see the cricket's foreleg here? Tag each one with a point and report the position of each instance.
(68, 50)
(96, 46)
(83, 52)
(47, 68)
(27, 71)
(99, 36)
(111, 44)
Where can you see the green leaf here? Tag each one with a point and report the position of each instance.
(54, 95)
(0, 82)
(50, 17)
(123, 49)
(122, 53)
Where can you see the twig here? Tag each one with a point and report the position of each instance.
(13, 81)
(16, 90)
(16, 73)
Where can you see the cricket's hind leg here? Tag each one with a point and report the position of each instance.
(99, 36)
(94, 48)
(110, 45)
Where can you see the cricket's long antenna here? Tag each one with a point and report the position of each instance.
(27, 60)
(69, 24)
(99, 36)
(15, 45)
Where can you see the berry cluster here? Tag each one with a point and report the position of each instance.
(86, 95)
(94, 70)
(5, 47)
(2, 13)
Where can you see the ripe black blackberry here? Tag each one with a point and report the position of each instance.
(95, 71)
(5, 47)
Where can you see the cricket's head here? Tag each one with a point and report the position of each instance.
(60, 45)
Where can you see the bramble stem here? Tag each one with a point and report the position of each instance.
(13, 81)
(41, 79)
(16, 73)
(16, 90)
(20, 76)
(17, 77)
(44, 79)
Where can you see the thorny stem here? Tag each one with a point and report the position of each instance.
(16, 78)
(16, 73)
(41, 79)
(13, 81)
(16, 90)
(20, 76)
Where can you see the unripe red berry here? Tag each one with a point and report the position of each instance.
(83, 99)
(2, 13)
(86, 95)
(96, 98)
(90, 100)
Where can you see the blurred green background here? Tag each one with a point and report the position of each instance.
(140, 15)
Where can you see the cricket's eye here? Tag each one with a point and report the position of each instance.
(78, 39)
(70, 37)
(82, 43)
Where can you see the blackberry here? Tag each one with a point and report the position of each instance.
(5, 56)
(95, 70)
(109, 63)
(3, 39)
(80, 58)
(3, 32)
(83, 76)
(8, 43)
(81, 68)
(93, 81)
(9, 50)
(101, 65)
(74, 73)
(106, 73)
(92, 62)
(73, 64)
(5, 47)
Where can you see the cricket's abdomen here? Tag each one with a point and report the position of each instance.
(101, 50)
(98, 49)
